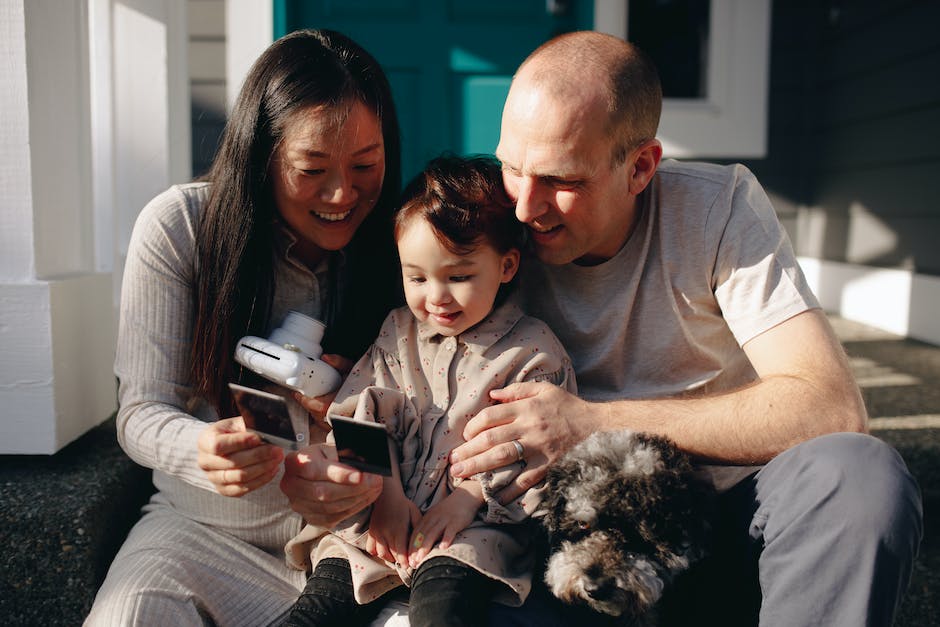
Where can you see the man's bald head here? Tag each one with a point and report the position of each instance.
(588, 65)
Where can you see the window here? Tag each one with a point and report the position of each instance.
(713, 57)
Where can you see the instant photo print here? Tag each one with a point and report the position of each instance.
(266, 414)
(362, 445)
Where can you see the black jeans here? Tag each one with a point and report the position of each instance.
(444, 592)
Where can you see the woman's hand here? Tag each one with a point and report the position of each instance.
(324, 491)
(545, 419)
(444, 520)
(234, 459)
(393, 518)
(316, 406)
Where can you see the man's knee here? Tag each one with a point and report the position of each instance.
(856, 478)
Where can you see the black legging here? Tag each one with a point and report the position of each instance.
(444, 593)
(328, 600)
(447, 593)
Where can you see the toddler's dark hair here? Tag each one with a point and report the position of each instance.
(464, 201)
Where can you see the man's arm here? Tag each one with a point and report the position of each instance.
(805, 390)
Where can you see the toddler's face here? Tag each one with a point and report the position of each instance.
(448, 291)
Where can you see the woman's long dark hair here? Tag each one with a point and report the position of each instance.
(235, 239)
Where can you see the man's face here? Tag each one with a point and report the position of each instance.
(557, 167)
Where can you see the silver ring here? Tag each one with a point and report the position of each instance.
(520, 450)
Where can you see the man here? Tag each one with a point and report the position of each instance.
(676, 292)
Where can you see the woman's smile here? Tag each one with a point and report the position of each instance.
(332, 217)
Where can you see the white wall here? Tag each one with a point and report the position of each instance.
(894, 300)
(85, 141)
(249, 29)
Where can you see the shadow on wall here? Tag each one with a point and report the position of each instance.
(852, 164)
(207, 126)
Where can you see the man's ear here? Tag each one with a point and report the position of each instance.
(510, 265)
(648, 156)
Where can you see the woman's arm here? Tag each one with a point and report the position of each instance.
(155, 424)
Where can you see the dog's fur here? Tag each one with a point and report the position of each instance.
(623, 516)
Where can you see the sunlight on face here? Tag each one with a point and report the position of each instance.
(326, 177)
(448, 291)
(556, 156)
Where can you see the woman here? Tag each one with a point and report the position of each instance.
(295, 216)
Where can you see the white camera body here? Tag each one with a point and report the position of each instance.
(290, 356)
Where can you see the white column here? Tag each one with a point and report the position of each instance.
(74, 171)
(249, 29)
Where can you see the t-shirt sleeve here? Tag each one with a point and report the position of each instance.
(756, 278)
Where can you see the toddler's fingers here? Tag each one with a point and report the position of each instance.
(398, 546)
(415, 515)
(381, 550)
(342, 364)
(423, 540)
(447, 537)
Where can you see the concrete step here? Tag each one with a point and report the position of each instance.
(62, 519)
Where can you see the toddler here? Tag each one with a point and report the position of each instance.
(429, 371)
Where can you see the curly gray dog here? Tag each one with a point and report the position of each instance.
(624, 516)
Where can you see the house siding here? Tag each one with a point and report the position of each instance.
(206, 20)
(853, 159)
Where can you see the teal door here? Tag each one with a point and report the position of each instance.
(449, 61)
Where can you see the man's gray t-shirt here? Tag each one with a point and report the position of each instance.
(708, 268)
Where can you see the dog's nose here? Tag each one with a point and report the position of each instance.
(600, 587)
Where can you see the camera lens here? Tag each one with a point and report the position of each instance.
(300, 332)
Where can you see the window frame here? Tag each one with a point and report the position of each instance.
(731, 122)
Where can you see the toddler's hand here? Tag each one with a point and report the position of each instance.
(443, 521)
(393, 517)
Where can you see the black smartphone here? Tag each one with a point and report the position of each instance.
(363, 445)
(266, 414)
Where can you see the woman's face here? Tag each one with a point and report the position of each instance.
(327, 175)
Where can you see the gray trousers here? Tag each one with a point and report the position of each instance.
(824, 534)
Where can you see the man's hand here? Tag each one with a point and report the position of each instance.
(323, 490)
(393, 518)
(234, 459)
(544, 418)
